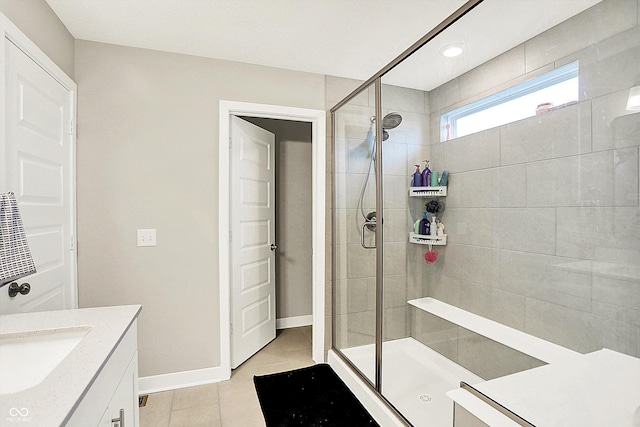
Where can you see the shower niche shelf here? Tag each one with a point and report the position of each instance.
(422, 239)
(439, 191)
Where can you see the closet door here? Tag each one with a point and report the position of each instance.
(37, 167)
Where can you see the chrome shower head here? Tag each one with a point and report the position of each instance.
(391, 121)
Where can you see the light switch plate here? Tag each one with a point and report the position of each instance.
(146, 237)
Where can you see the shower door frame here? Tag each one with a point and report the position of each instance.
(376, 80)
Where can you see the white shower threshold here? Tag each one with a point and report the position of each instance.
(415, 379)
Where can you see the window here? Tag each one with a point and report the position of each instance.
(553, 90)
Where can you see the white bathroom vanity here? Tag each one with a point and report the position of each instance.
(70, 368)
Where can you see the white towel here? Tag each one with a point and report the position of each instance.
(15, 256)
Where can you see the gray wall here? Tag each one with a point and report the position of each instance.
(543, 216)
(147, 158)
(293, 215)
(355, 267)
(36, 19)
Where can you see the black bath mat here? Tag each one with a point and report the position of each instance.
(309, 397)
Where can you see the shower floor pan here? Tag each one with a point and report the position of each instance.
(415, 379)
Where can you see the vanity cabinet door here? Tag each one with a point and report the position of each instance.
(105, 421)
(124, 404)
(115, 388)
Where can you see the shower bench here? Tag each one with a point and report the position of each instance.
(535, 347)
(589, 390)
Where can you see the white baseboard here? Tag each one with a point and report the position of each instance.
(174, 380)
(378, 410)
(294, 322)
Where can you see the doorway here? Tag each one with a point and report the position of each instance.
(317, 119)
(293, 156)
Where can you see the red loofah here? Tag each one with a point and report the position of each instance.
(430, 256)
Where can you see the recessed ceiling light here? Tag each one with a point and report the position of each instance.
(451, 51)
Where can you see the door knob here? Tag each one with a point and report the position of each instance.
(273, 247)
(15, 289)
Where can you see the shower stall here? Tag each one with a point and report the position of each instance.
(536, 256)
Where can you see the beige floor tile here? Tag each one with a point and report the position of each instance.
(157, 412)
(307, 331)
(232, 403)
(236, 390)
(243, 407)
(299, 355)
(248, 419)
(201, 416)
(293, 339)
(260, 359)
(273, 347)
(191, 397)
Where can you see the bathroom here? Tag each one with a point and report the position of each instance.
(541, 214)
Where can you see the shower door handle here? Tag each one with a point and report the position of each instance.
(364, 225)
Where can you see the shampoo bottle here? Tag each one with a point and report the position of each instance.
(434, 178)
(424, 225)
(417, 178)
(433, 228)
(426, 174)
(416, 226)
(444, 179)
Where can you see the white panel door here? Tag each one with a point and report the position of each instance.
(253, 304)
(37, 167)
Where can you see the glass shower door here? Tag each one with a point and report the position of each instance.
(354, 255)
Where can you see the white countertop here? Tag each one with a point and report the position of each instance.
(598, 389)
(51, 402)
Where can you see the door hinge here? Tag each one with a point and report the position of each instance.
(72, 243)
(72, 127)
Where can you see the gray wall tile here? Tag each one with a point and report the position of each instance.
(396, 98)
(480, 264)
(554, 182)
(599, 234)
(495, 304)
(527, 230)
(473, 152)
(503, 68)
(435, 332)
(546, 278)
(559, 133)
(595, 24)
(601, 74)
(473, 226)
(613, 125)
(490, 359)
(560, 325)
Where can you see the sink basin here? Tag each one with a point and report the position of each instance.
(28, 357)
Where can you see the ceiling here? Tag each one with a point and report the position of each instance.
(345, 38)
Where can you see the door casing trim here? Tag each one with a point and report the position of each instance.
(317, 118)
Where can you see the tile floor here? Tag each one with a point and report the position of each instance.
(230, 403)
